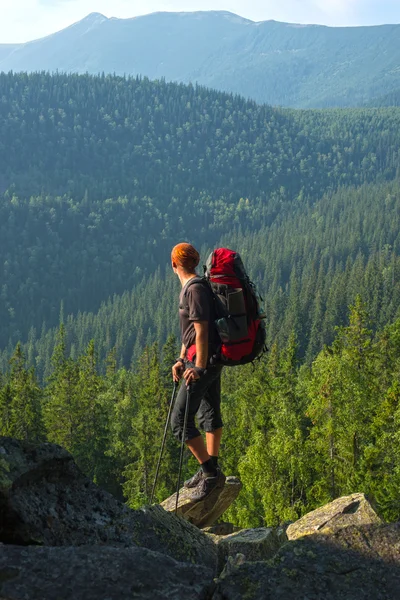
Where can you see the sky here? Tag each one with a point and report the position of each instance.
(25, 20)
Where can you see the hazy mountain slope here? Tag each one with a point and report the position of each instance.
(277, 63)
(391, 99)
(169, 45)
(6, 50)
(308, 66)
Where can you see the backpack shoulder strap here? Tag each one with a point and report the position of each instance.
(197, 279)
(202, 280)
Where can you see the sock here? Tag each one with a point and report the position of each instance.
(209, 469)
(215, 461)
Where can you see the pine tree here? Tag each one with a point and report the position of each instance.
(24, 410)
(147, 427)
(342, 406)
(93, 417)
(61, 410)
(277, 457)
(382, 456)
(5, 409)
(326, 424)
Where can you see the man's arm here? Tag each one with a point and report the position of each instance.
(177, 369)
(201, 329)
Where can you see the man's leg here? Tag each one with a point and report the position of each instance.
(193, 438)
(197, 392)
(198, 449)
(209, 419)
(178, 414)
(213, 439)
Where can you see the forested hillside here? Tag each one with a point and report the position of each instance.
(101, 176)
(310, 264)
(298, 436)
(303, 66)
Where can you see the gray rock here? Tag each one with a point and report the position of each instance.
(377, 542)
(46, 500)
(232, 563)
(343, 512)
(355, 563)
(222, 529)
(253, 544)
(207, 512)
(98, 573)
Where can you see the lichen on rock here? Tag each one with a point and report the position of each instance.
(50, 502)
(206, 512)
(343, 512)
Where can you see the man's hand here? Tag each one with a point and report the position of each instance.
(177, 371)
(193, 374)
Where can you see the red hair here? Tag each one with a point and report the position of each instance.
(185, 256)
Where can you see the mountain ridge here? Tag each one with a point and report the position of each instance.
(223, 13)
(287, 64)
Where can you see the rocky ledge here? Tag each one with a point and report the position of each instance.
(206, 513)
(63, 538)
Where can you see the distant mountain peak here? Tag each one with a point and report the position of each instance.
(191, 14)
(95, 16)
(232, 16)
(92, 21)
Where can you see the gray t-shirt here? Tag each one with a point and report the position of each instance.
(196, 304)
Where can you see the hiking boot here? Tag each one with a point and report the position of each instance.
(195, 480)
(207, 485)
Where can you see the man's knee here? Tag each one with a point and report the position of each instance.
(176, 425)
(210, 420)
(211, 426)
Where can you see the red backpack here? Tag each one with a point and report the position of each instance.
(239, 318)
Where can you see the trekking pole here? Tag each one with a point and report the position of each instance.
(182, 447)
(176, 384)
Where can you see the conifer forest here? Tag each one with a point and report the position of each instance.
(99, 178)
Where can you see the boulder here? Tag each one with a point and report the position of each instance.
(208, 511)
(356, 563)
(253, 544)
(343, 512)
(222, 529)
(376, 542)
(232, 563)
(98, 573)
(46, 500)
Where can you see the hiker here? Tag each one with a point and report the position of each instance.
(202, 381)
